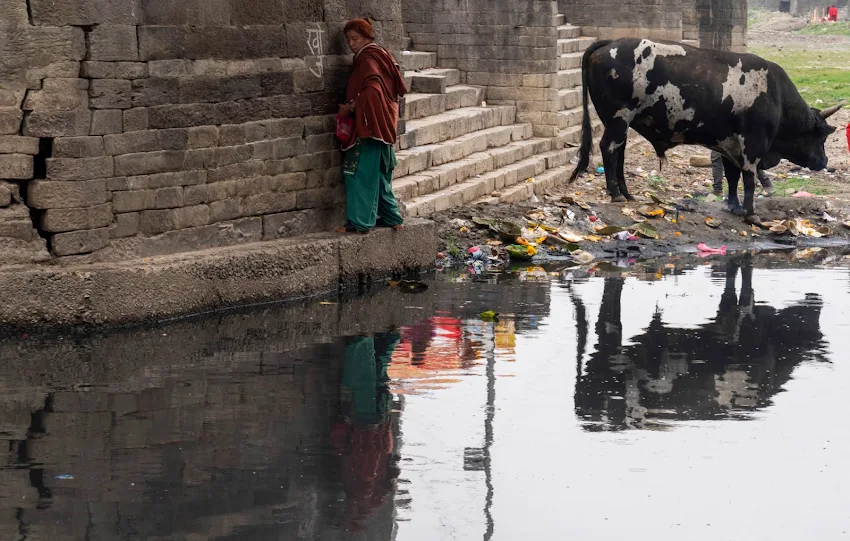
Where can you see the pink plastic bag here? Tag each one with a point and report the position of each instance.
(704, 250)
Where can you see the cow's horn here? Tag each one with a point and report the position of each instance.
(826, 113)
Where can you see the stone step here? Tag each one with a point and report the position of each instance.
(423, 105)
(570, 61)
(522, 192)
(560, 19)
(406, 42)
(453, 124)
(570, 98)
(568, 31)
(433, 179)
(530, 173)
(570, 118)
(417, 159)
(691, 42)
(417, 60)
(574, 45)
(569, 79)
(572, 136)
(432, 80)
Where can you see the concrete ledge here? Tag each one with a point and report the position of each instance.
(168, 286)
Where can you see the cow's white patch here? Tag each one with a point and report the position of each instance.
(614, 145)
(626, 114)
(614, 53)
(745, 93)
(613, 74)
(734, 147)
(672, 95)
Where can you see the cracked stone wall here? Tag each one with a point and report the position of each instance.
(141, 127)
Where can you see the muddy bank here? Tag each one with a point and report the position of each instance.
(681, 225)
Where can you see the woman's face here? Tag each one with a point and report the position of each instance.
(356, 41)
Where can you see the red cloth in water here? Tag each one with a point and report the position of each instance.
(832, 15)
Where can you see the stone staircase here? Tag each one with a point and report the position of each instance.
(457, 151)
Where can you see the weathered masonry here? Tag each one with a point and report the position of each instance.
(137, 128)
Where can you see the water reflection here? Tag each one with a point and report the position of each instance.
(388, 417)
(730, 365)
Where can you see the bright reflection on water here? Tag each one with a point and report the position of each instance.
(690, 399)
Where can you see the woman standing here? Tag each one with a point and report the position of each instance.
(372, 98)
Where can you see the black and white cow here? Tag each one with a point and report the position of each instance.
(739, 105)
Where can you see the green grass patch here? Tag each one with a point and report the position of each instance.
(818, 75)
(827, 29)
(792, 185)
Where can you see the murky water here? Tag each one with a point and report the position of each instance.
(683, 400)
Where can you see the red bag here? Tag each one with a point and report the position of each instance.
(345, 130)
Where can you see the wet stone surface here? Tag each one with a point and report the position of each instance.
(673, 399)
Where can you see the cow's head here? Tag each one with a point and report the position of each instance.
(806, 148)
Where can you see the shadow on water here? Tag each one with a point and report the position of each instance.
(725, 368)
(286, 422)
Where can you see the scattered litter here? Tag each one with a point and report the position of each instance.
(609, 230)
(803, 194)
(582, 257)
(409, 286)
(64, 477)
(713, 222)
(828, 218)
(521, 252)
(700, 161)
(704, 249)
(328, 303)
(489, 315)
(600, 170)
(650, 212)
(646, 230)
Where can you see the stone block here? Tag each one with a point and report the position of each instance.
(77, 147)
(79, 242)
(93, 69)
(17, 144)
(207, 193)
(203, 137)
(155, 222)
(300, 222)
(145, 141)
(179, 178)
(104, 122)
(320, 197)
(162, 42)
(12, 97)
(133, 200)
(268, 203)
(125, 225)
(155, 91)
(16, 166)
(135, 119)
(79, 168)
(110, 94)
(226, 209)
(57, 123)
(5, 196)
(168, 198)
(147, 163)
(74, 219)
(178, 67)
(10, 120)
(113, 43)
(84, 12)
(45, 194)
(219, 89)
(58, 94)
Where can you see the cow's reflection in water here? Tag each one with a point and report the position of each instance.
(721, 369)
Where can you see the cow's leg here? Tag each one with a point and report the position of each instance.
(733, 175)
(621, 173)
(613, 145)
(749, 197)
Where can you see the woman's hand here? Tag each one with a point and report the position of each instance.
(345, 110)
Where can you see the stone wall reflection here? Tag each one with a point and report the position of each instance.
(725, 368)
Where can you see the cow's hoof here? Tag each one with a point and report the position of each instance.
(753, 219)
(737, 210)
(618, 199)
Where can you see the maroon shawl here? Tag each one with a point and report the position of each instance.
(375, 86)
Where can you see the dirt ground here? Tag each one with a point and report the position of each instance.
(584, 207)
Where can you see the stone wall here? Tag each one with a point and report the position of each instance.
(613, 19)
(723, 24)
(141, 127)
(510, 47)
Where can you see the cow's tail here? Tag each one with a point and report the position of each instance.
(586, 127)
